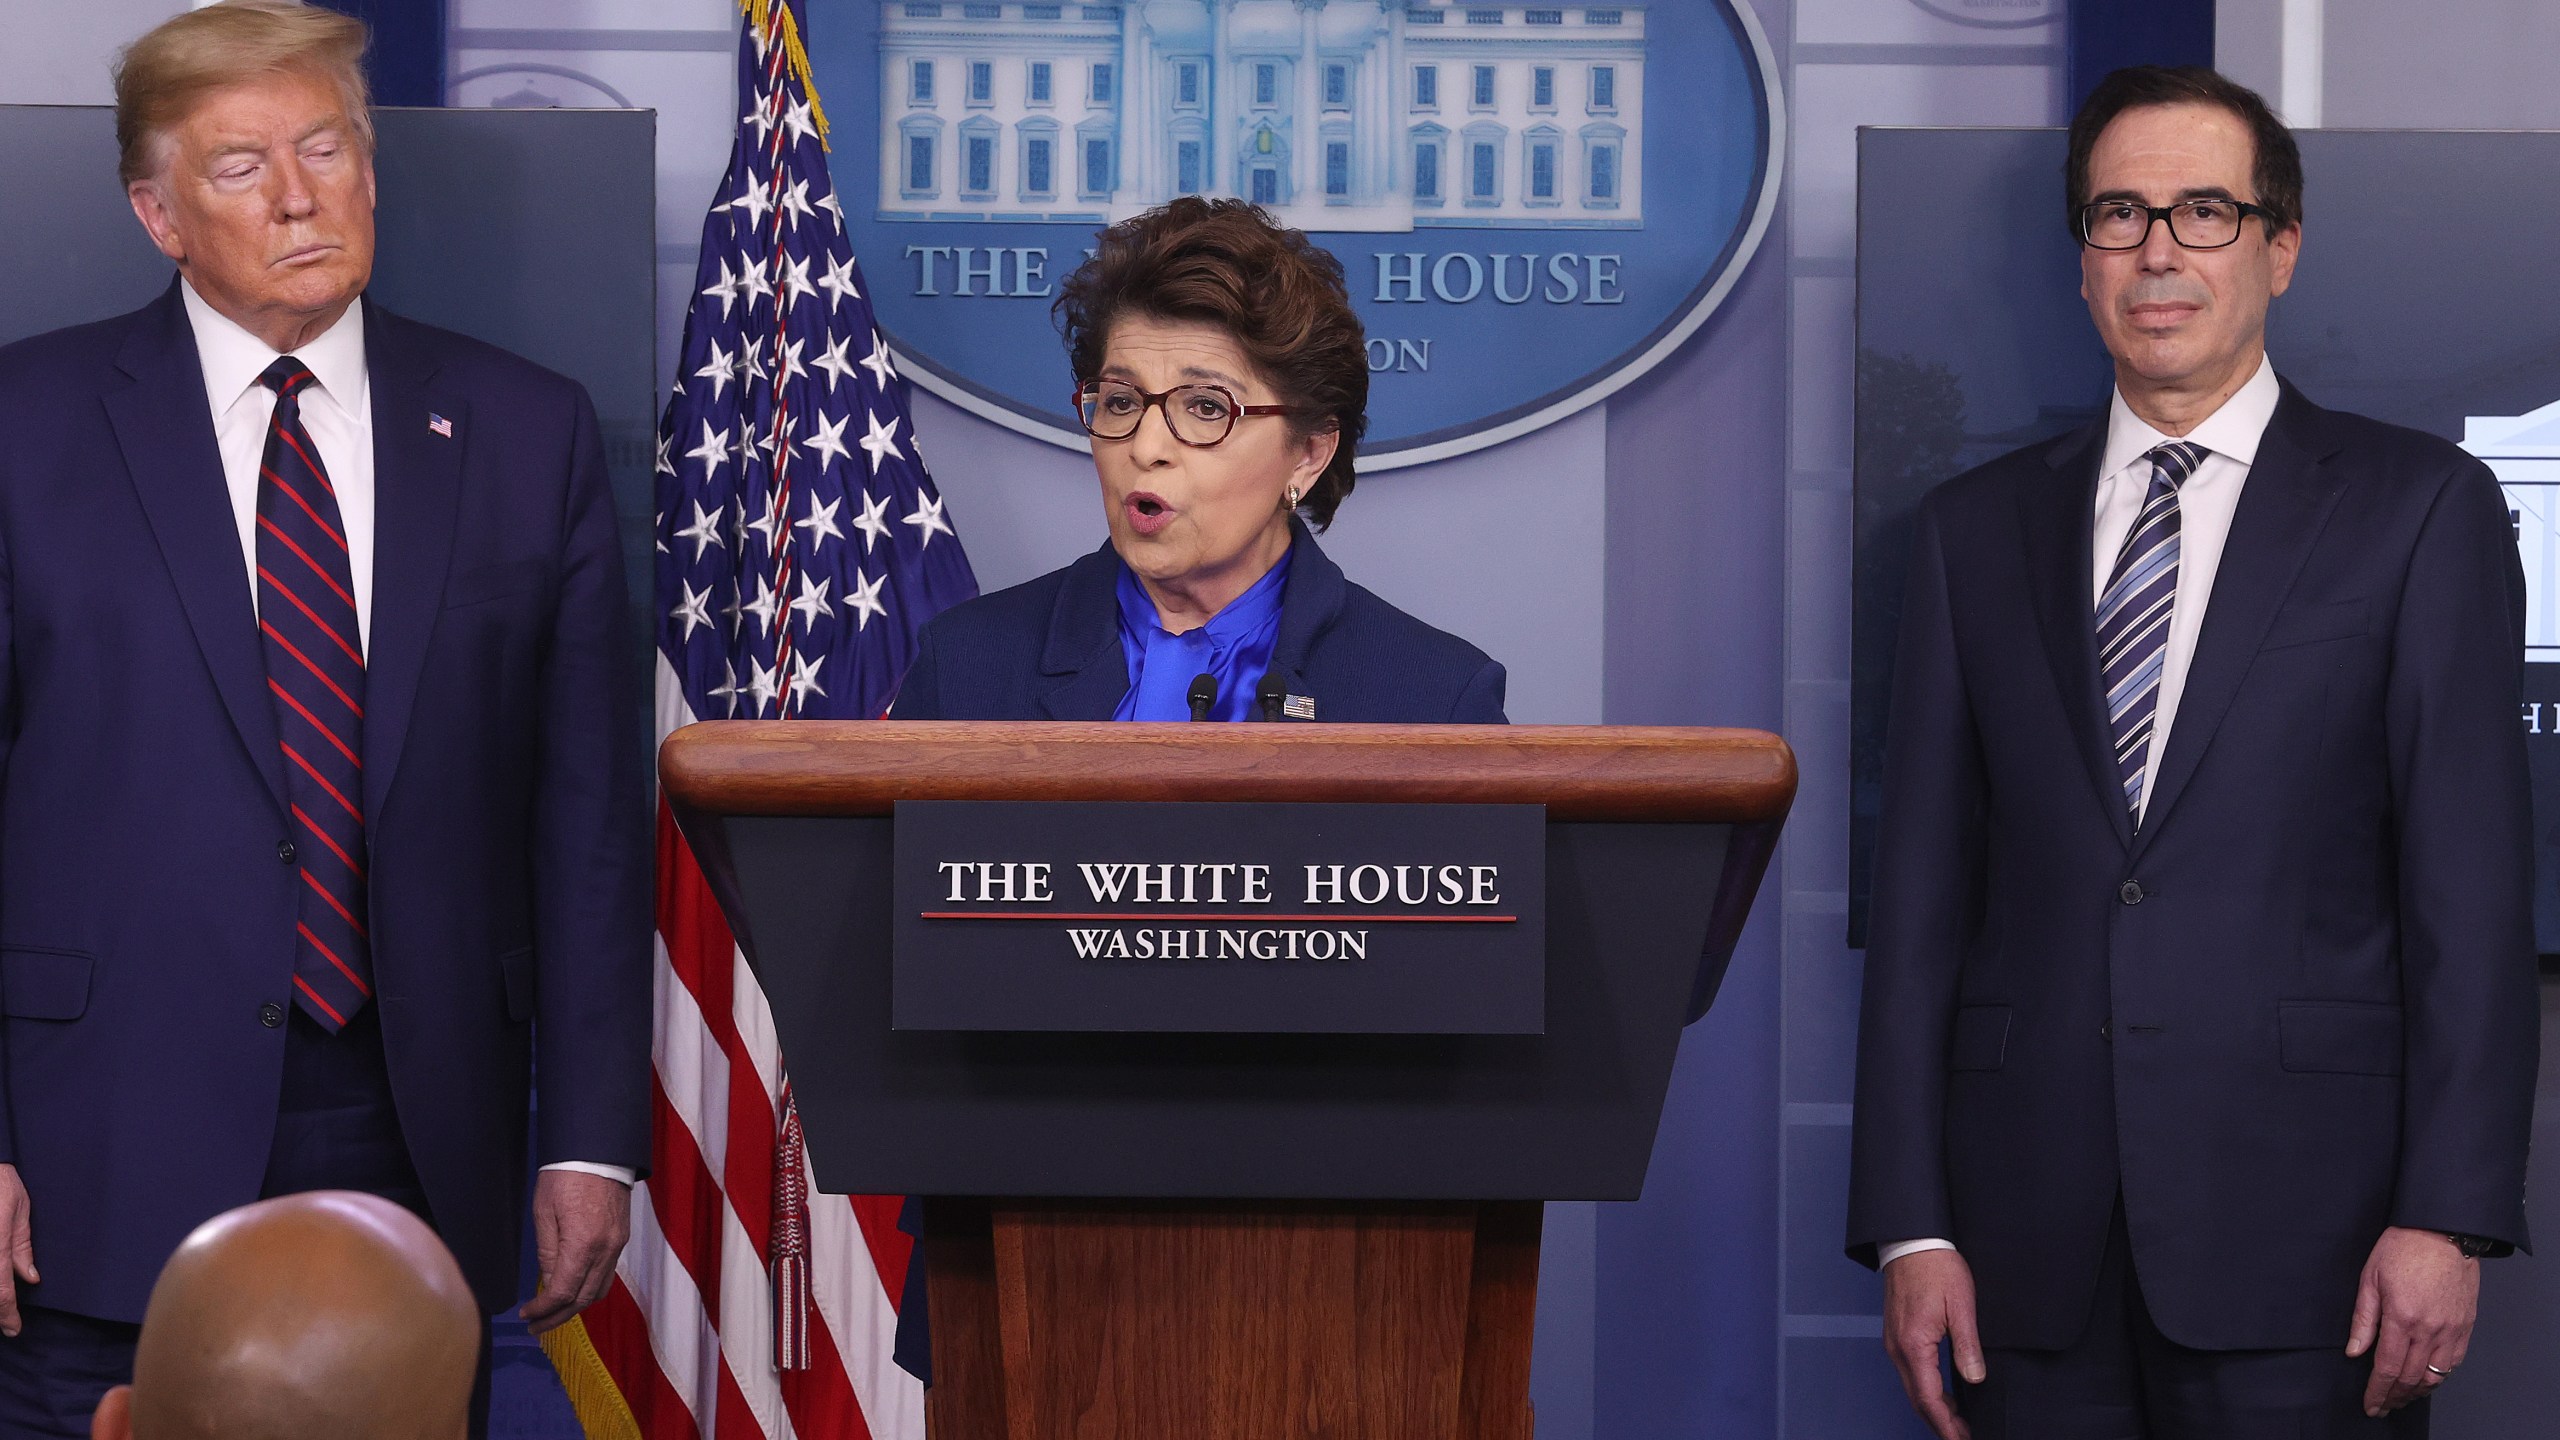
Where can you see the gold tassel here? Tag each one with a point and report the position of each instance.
(602, 1412)
(768, 16)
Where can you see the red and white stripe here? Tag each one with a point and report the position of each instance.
(688, 1329)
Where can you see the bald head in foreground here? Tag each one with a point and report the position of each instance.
(327, 1313)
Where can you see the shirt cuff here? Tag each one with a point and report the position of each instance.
(621, 1173)
(1888, 1253)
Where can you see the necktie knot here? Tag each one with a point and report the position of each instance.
(285, 376)
(2172, 462)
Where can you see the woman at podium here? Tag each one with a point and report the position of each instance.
(1224, 379)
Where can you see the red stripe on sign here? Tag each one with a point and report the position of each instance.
(1266, 919)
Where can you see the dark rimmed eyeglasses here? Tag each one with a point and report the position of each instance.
(1198, 415)
(2195, 224)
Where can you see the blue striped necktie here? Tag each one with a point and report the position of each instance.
(2134, 613)
(315, 672)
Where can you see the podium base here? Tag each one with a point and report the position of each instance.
(1245, 1320)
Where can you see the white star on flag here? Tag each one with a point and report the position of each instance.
(804, 679)
(722, 368)
(835, 363)
(874, 520)
(827, 441)
(704, 532)
(693, 610)
(726, 287)
(880, 439)
(864, 598)
(821, 523)
(928, 519)
(838, 283)
(713, 449)
(812, 603)
(877, 362)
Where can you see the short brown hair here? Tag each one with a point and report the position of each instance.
(1226, 263)
(162, 75)
(2277, 173)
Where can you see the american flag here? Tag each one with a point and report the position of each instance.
(799, 546)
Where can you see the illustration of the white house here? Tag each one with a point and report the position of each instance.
(1377, 115)
(2524, 450)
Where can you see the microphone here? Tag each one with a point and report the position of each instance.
(1204, 694)
(1268, 695)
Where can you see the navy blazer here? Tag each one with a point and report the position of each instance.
(146, 926)
(2298, 1004)
(1049, 649)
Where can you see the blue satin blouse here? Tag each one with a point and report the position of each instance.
(1235, 646)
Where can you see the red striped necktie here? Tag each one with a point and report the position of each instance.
(315, 672)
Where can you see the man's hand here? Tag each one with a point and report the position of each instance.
(580, 1222)
(18, 1239)
(2414, 1309)
(1928, 1296)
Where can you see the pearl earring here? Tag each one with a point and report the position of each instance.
(1293, 497)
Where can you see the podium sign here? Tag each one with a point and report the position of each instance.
(1205, 917)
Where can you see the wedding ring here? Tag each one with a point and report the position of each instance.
(2439, 1374)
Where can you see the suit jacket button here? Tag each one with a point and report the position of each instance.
(2130, 892)
(284, 851)
(2106, 1032)
(271, 1015)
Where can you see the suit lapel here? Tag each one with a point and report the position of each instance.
(1308, 607)
(417, 478)
(2058, 513)
(2283, 507)
(1083, 645)
(165, 432)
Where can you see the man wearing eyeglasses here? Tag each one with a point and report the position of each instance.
(2197, 1056)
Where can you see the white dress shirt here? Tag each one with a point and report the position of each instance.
(2206, 503)
(337, 412)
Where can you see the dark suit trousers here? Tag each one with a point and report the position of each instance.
(2124, 1380)
(335, 1130)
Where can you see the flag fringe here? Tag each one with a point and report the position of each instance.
(602, 1411)
(774, 16)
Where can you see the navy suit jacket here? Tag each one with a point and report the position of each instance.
(1049, 649)
(146, 924)
(2298, 1004)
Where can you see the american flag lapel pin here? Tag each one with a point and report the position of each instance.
(1298, 707)
(440, 425)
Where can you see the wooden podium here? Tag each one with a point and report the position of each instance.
(1251, 1237)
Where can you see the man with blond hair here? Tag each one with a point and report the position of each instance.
(323, 817)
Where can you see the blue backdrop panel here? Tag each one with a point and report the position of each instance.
(406, 64)
(2106, 35)
(2423, 260)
